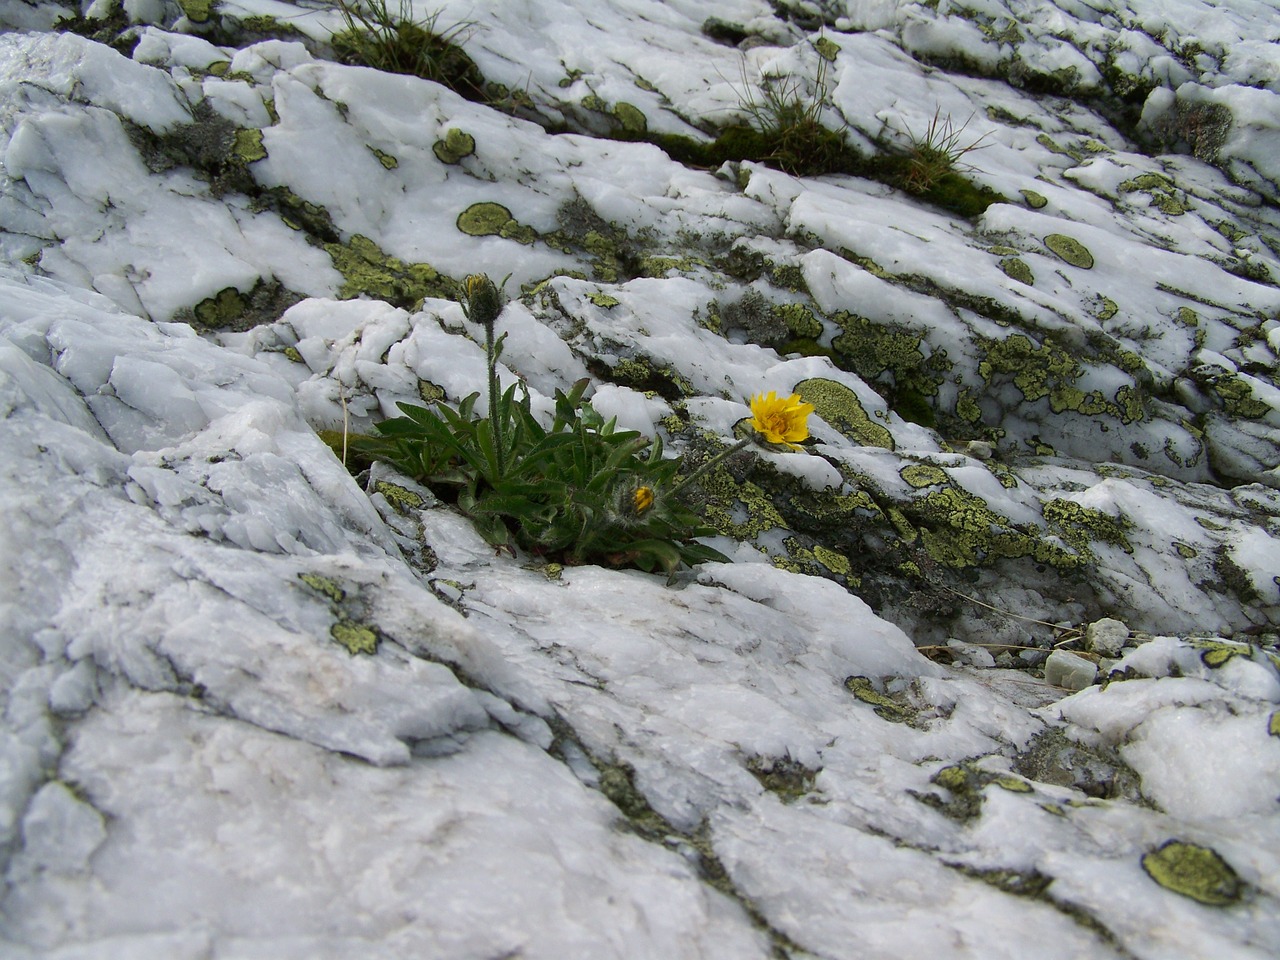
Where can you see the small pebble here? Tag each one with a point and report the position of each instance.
(1106, 637)
(1069, 671)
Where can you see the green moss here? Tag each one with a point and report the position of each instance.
(1069, 250)
(456, 145)
(324, 585)
(1017, 269)
(355, 637)
(840, 407)
(601, 299)
(430, 392)
(367, 270)
(920, 475)
(1186, 552)
(789, 276)
(293, 354)
(1187, 317)
(248, 145)
(1194, 871)
(1034, 200)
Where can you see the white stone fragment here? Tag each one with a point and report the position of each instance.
(971, 653)
(1063, 669)
(1106, 636)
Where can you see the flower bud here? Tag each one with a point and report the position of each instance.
(481, 300)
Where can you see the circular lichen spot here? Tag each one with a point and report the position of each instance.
(1016, 269)
(485, 219)
(455, 145)
(1034, 200)
(1193, 871)
(1069, 250)
(921, 475)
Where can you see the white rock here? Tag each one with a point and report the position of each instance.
(1065, 669)
(1106, 636)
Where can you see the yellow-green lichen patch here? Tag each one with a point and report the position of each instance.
(840, 407)
(1080, 525)
(197, 11)
(1042, 371)
(247, 145)
(1107, 308)
(827, 48)
(455, 145)
(787, 778)
(601, 299)
(355, 637)
(1186, 551)
(367, 270)
(631, 118)
(1218, 653)
(292, 354)
(430, 392)
(1194, 871)
(1013, 785)
(221, 310)
(1165, 197)
(1187, 317)
(920, 475)
(886, 708)
(837, 563)
(739, 510)
(488, 219)
(387, 160)
(1069, 250)
(1273, 724)
(1237, 396)
(402, 499)
(799, 320)
(1016, 269)
(1034, 200)
(323, 585)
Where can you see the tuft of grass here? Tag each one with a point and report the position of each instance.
(375, 35)
(785, 128)
(938, 153)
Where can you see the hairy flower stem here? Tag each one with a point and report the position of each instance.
(710, 464)
(495, 420)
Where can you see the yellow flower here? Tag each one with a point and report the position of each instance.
(642, 500)
(778, 420)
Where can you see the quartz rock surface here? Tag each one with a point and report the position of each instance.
(257, 705)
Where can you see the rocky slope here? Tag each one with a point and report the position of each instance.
(259, 704)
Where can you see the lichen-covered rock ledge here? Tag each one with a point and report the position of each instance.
(256, 703)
